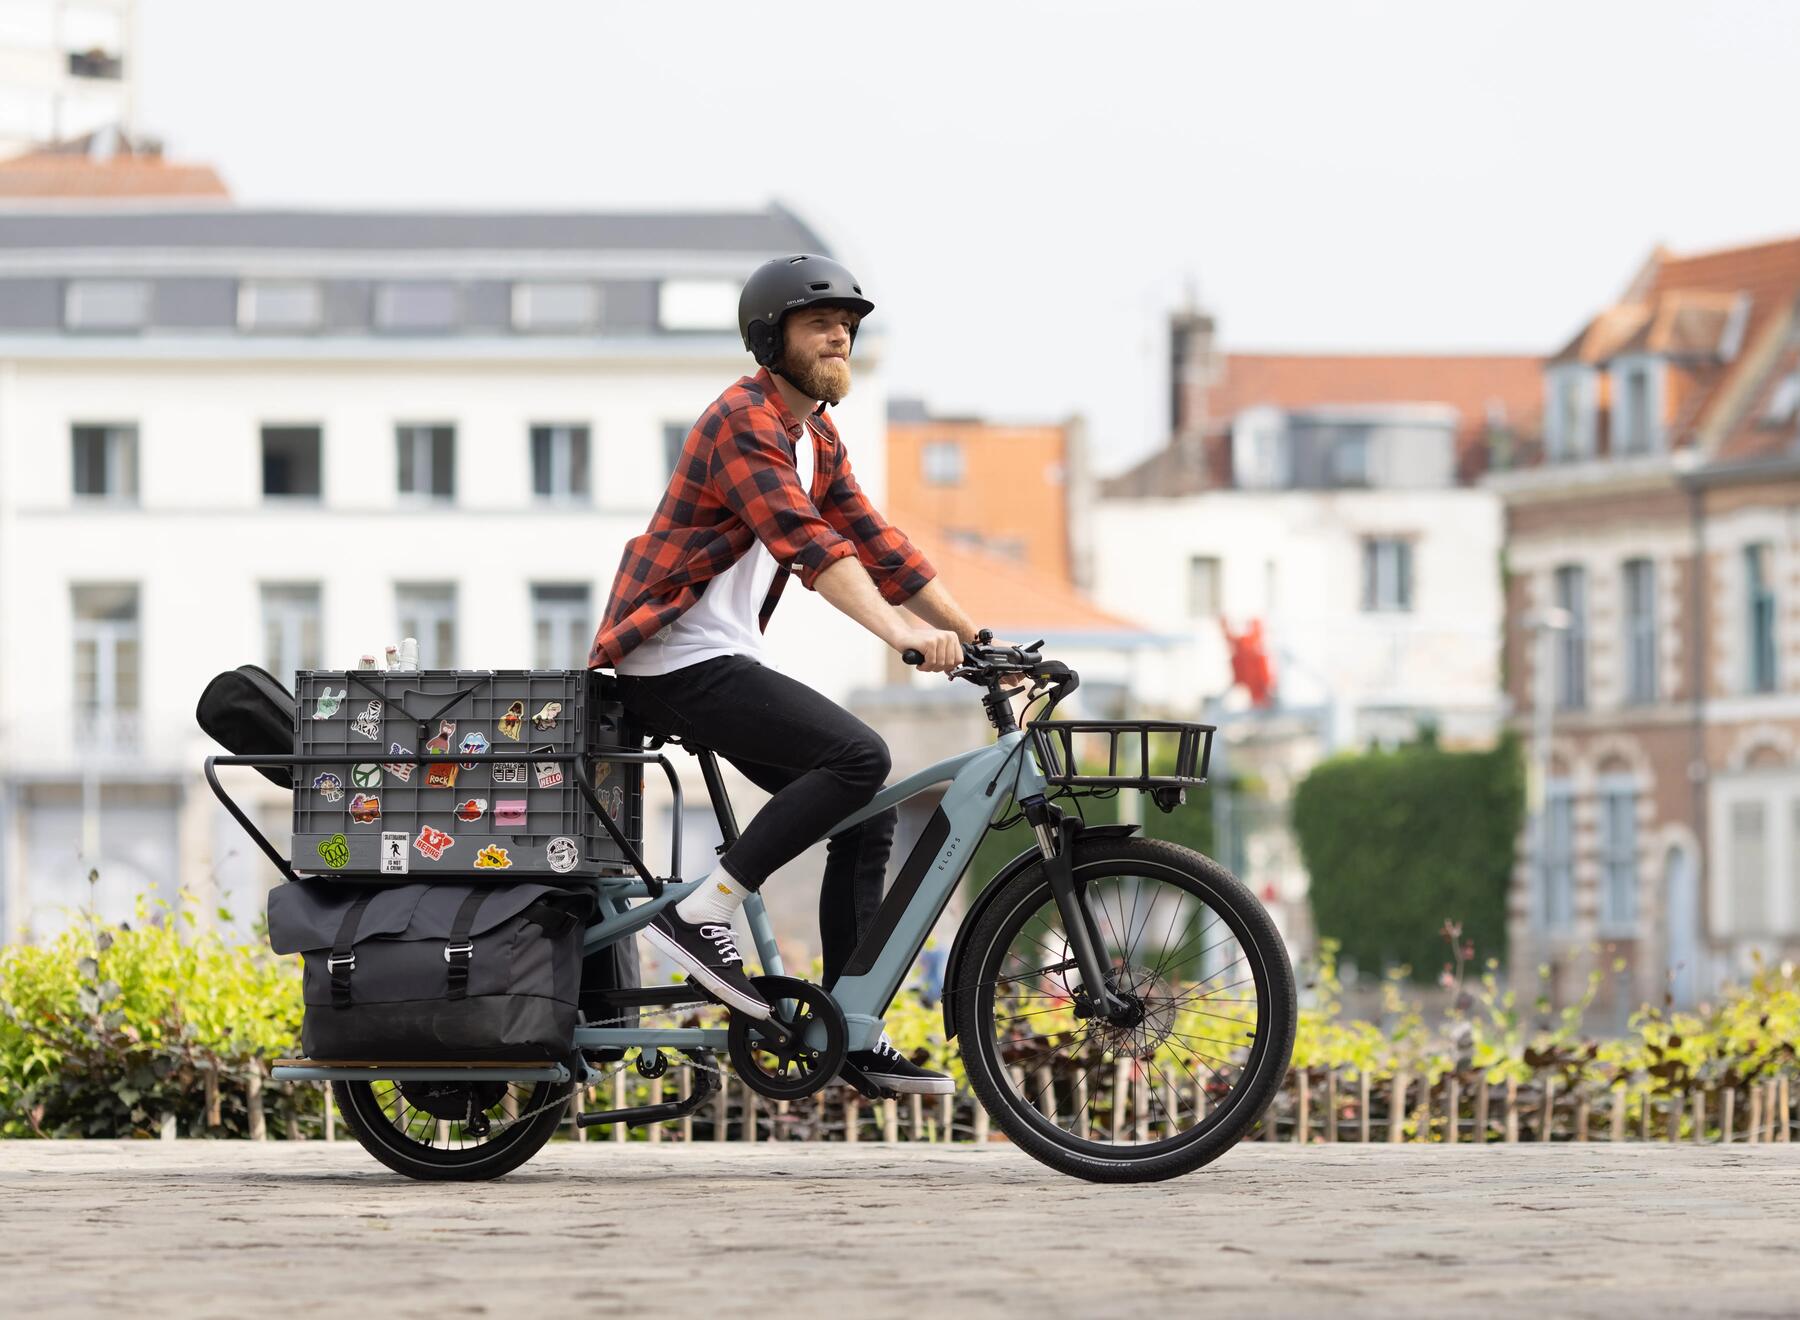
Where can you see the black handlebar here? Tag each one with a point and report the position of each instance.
(912, 657)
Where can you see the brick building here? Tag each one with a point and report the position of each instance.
(1661, 517)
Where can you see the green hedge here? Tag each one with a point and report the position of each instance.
(1396, 843)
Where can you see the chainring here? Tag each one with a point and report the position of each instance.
(774, 1058)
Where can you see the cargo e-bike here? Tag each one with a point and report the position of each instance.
(1124, 1007)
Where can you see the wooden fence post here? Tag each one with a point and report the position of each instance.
(253, 1101)
(1582, 1107)
(656, 1098)
(620, 1132)
(947, 1116)
(330, 1112)
(1512, 1109)
(1547, 1127)
(915, 1113)
(1699, 1117)
(1617, 1115)
(852, 1113)
(684, 1088)
(1754, 1132)
(1397, 1107)
(1453, 1104)
(751, 1106)
(1082, 1098)
(1303, 1122)
(1331, 1104)
(211, 1100)
(722, 1110)
(1730, 1120)
(577, 1099)
(981, 1123)
(890, 1121)
(1783, 1134)
(1482, 1097)
(1362, 1107)
(1675, 1113)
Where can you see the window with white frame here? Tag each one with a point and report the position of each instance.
(552, 305)
(559, 462)
(1569, 414)
(293, 306)
(562, 625)
(1618, 856)
(674, 437)
(1203, 587)
(942, 463)
(1350, 459)
(1637, 407)
(292, 622)
(427, 461)
(106, 663)
(292, 462)
(106, 304)
(1640, 631)
(1748, 868)
(1260, 450)
(106, 462)
(427, 611)
(415, 306)
(1572, 642)
(1784, 402)
(1556, 875)
(1387, 574)
(697, 305)
(1759, 619)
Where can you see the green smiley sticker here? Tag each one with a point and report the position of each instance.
(335, 851)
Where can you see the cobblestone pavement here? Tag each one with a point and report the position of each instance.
(234, 1228)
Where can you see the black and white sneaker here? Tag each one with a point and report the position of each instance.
(709, 952)
(887, 1068)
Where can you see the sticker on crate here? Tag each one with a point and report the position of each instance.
(474, 743)
(365, 808)
(546, 716)
(512, 722)
(549, 773)
(401, 770)
(509, 813)
(329, 703)
(601, 771)
(394, 860)
(368, 721)
(441, 743)
(432, 842)
(441, 775)
(366, 774)
(330, 787)
(562, 853)
(335, 851)
(492, 858)
(471, 809)
(510, 772)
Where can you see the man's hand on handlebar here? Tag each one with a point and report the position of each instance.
(934, 650)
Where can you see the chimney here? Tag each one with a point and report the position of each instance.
(1193, 369)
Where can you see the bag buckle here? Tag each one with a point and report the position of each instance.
(345, 960)
(464, 951)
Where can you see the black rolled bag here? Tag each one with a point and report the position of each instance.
(434, 972)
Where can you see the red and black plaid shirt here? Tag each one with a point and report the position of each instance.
(735, 483)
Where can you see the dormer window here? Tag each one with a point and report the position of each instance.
(1637, 406)
(1569, 416)
(1784, 402)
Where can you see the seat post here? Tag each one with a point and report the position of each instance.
(715, 790)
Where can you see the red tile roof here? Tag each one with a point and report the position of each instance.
(1012, 599)
(48, 174)
(1483, 388)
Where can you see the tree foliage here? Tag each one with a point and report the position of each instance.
(1398, 842)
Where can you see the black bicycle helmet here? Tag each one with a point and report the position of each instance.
(777, 287)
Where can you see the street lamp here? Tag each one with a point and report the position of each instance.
(1545, 625)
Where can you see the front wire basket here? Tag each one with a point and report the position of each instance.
(1146, 754)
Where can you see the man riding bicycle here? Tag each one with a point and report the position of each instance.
(763, 488)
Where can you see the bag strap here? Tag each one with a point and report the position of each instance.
(460, 951)
(342, 960)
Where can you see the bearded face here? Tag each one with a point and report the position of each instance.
(815, 352)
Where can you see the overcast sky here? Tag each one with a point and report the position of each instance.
(1026, 188)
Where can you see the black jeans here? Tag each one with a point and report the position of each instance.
(818, 760)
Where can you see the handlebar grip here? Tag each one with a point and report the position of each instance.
(912, 657)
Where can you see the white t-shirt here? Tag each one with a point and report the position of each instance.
(725, 620)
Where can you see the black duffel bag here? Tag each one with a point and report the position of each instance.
(250, 713)
(434, 972)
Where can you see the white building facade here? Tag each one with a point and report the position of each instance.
(67, 68)
(290, 439)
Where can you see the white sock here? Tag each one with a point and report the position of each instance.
(717, 899)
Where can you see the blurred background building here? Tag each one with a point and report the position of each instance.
(68, 68)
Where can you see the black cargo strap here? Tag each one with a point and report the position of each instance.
(460, 951)
(343, 952)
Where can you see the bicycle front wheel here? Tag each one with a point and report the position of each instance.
(1177, 1079)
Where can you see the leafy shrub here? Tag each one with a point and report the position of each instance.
(108, 1031)
(1394, 840)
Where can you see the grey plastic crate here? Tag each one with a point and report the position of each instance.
(366, 816)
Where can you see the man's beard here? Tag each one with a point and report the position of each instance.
(824, 378)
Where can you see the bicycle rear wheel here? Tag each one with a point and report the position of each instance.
(1192, 1065)
(453, 1131)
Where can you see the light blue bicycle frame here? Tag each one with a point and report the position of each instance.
(979, 781)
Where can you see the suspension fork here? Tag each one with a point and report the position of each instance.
(1056, 834)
